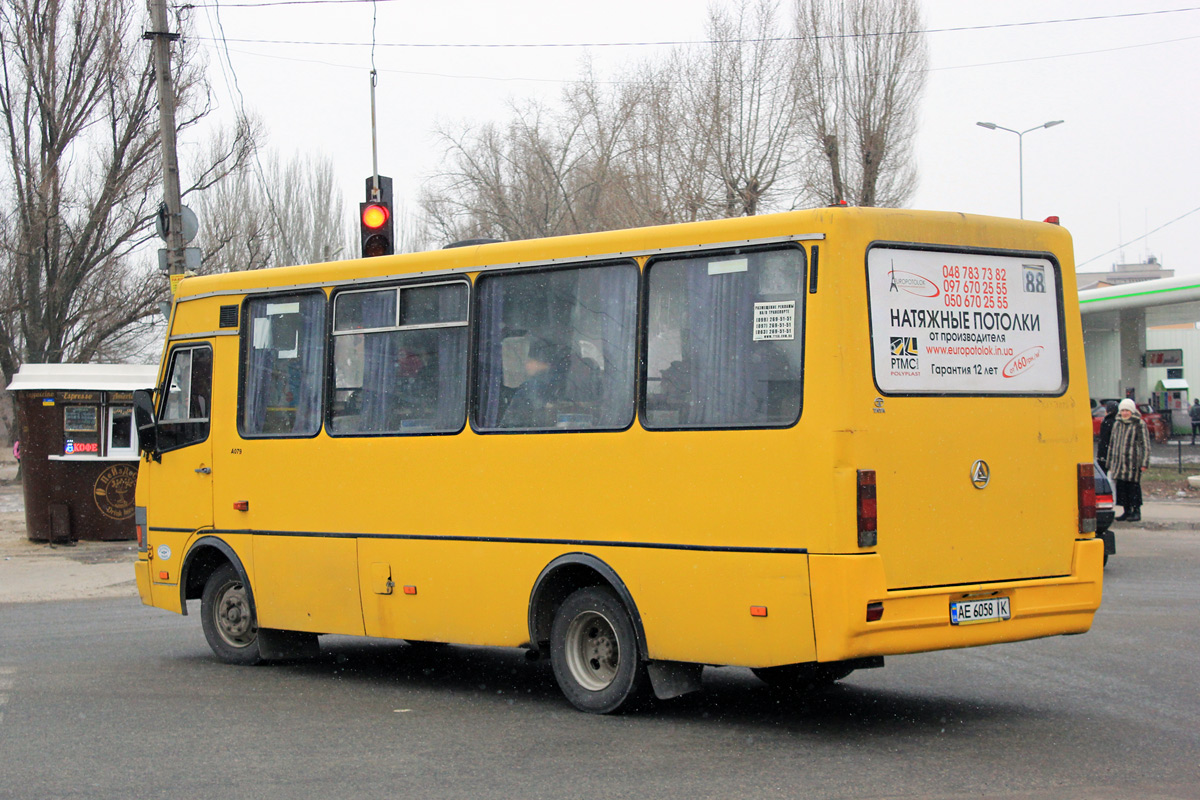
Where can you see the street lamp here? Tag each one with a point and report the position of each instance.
(991, 126)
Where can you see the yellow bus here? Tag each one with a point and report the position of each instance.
(796, 443)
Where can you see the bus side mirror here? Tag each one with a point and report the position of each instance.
(143, 418)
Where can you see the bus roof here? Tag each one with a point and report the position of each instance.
(792, 225)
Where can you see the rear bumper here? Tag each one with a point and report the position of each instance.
(918, 620)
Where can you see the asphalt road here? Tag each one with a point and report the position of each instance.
(108, 699)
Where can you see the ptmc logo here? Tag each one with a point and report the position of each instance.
(904, 352)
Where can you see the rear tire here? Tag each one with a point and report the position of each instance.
(228, 618)
(594, 653)
(803, 678)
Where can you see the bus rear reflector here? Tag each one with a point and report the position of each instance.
(874, 612)
(868, 533)
(1087, 498)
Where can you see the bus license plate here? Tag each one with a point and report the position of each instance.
(967, 612)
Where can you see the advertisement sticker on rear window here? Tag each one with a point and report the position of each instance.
(964, 323)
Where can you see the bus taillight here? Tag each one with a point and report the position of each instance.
(868, 532)
(1087, 498)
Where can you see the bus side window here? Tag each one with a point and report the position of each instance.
(557, 349)
(184, 418)
(400, 360)
(724, 343)
(283, 345)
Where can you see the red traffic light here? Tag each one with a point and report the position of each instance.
(374, 216)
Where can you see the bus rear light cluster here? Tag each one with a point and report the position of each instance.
(1087, 498)
(142, 528)
(868, 530)
(874, 612)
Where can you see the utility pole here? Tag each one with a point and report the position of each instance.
(166, 120)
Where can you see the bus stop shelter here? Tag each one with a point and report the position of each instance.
(79, 448)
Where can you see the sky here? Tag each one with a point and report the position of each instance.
(1123, 164)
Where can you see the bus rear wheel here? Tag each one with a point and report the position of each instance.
(228, 619)
(803, 678)
(593, 651)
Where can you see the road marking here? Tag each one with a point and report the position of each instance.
(6, 683)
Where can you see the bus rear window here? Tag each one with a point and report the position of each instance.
(961, 323)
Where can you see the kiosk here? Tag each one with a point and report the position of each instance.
(79, 448)
(1171, 398)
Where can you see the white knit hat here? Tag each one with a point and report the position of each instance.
(1127, 405)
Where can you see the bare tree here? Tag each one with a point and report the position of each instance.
(301, 219)
(81, 175)
(744, 94)
(671, 174)
(547, 172)
(756, 121)
(862, 73)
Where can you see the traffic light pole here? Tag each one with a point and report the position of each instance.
(374, 144)
(166, 121)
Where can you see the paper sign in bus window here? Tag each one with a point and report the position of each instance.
(775, 321)
(728, 266)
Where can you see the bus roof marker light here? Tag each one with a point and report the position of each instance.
(241, 505)
(410, 589)
(758, 611)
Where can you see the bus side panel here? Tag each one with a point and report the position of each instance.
(696, 606)
(691, 609)
(307, 583)
(462, 592)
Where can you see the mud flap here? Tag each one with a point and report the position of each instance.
(674, 678)
(279, 645)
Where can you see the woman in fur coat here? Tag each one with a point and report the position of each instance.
(1128, 458)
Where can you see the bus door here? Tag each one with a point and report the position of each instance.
(182, 491)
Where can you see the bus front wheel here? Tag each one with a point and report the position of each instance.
(593, 651)
(228, 618)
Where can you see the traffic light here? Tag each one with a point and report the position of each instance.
(375, 219)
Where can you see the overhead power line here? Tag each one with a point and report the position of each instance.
(271, 3)
(244, 117)
(1138, 238)
(515, 78)
(666, 43)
